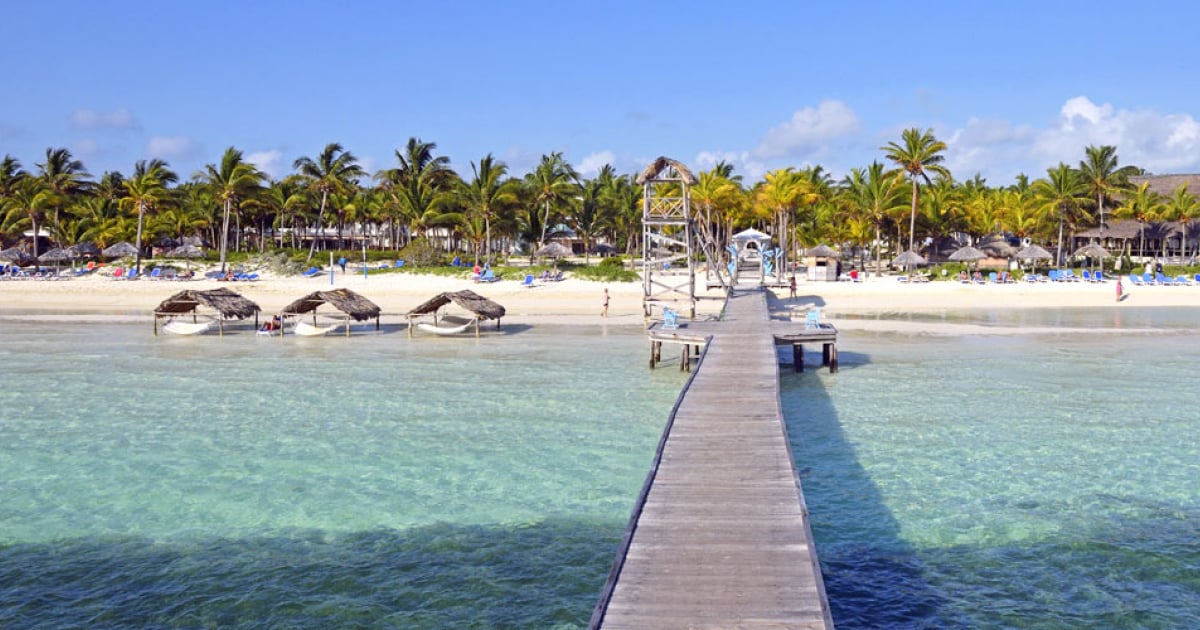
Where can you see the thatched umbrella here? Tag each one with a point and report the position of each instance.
(84, 250)
(1034, 253)
(1091, 251)
(228, 304)
(17, 256)
(908, 258)
(482, 307)
(55, 256)
(120, 250)
(187, 252)
(352, 304)
(997, 246)
(968, 254)
(823, 251)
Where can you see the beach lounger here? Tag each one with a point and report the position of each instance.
(1098, 276)
(1163, 280)
(1148, 278)
(528, 281)
(1196, 279)
(1135, 280)
(132, 274)
(1087, 276)
(489, 276)
(310, 272)
(399, 264)
(155, 274)
(1182, 281)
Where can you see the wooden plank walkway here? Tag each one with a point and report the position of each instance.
(720, 536)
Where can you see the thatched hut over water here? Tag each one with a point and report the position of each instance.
(226, 303)
(482, 307)
(354, 306)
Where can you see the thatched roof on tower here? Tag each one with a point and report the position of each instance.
(467, 299)
(229, 304)
(344, 300)
(655, 171)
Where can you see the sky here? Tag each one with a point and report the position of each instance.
(1011, 87)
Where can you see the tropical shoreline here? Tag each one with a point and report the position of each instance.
(876, 304)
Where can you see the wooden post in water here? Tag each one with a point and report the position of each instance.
(798, 357)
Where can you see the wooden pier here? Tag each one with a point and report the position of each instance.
(719, 537)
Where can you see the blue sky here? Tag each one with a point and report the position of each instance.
(1011, 87)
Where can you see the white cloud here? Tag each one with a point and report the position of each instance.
(809, 133)
(171, 147)
(1158, 142)
(591, 164)
(119, 118)
(743, 163)
(267, 161)
(1161, 143)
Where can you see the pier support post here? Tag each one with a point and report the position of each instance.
(833, 357)
(798, 357)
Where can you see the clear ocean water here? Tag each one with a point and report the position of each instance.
(1044, 480)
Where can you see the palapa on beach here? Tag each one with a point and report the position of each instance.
(352, 304)
(482, 307)
(228, 304)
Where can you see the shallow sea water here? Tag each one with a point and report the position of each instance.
(364, 482)
(977, 481)
(1022, 481)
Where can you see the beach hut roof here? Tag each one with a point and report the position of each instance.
(823, 251)
(467, 299)
(909, 258)
(553, 250)
(997, 245)
(55, 255)
(654, 171)
(229, 304)
(124, 248)
(967, 253)
(344, 300)
(1032, 252)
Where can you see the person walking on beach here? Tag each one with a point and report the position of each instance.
(342, 263)
(1120, 289)
(792, 287)
(604, 310)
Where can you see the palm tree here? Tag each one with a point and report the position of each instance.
(1063, 193)
(1183, 206)
(1104, 179)
(331, 172)
(147, 190)
(28, 203)
(231, 182)
(422, 183)
(876, 194)
(591, 215)
(919, 154)
(553, 182)
(486, 194)
(63, 176)
(1142, 205)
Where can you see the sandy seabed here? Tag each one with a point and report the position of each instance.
(579, 302)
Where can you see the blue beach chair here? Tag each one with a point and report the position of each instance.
(670, 319)
(813, 320)
(528, 281)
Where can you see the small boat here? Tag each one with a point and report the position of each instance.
(186, 328)
(305, 329)
(445, 330)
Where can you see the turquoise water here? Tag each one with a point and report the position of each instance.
(978, 481)
(374, 481)
(1042, 481)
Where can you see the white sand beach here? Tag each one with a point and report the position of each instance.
(579, 302)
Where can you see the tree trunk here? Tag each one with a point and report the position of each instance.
(320, 219)
(912, 221)
(225, 235)
(878, 251)
(137, 261)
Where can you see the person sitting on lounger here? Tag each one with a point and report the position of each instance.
(978, 277)
(274, 324)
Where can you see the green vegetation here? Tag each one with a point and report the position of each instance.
(423, 211)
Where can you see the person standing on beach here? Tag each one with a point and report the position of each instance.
(342, 263)
(792, 287)
(604, 310)
(1119, 288)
